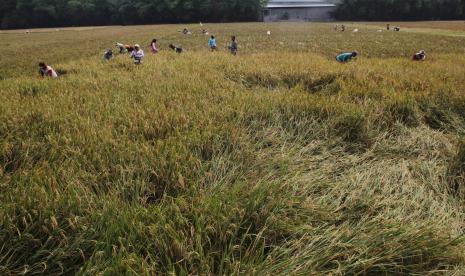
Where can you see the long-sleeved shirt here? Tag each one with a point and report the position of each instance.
(137, 55)
(154, 47)
(344, 57)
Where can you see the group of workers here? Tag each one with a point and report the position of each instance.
(137, 54)
(345, 57)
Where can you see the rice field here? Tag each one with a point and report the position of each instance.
(277, 161)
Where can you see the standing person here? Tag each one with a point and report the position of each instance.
(47, 71)
(212, 43)
(176, 49)
(420, 56)
(343, 28)
(137, 54)
(345, 57)
(233, 45)
(388, 27)
(154, 46)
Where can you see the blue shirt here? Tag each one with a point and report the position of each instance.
(212, 42)
(344, 57)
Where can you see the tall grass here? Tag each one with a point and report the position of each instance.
(275, 161)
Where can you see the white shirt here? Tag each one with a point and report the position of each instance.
(137, 54)
(49, 72)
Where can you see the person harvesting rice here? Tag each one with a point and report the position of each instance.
(420, 56)
(137, 54)
(212, 43)
(346, 57)
(154, 46)
(233, 45)
(47, 71)
(177, 49)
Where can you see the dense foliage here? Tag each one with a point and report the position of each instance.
(48, 13)
(401, 9)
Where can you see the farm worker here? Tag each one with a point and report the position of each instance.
(212, 43)
(47, 71)
(345, 57)
(108, 54)
(120, 47)
(233, 45)
(129, 48)
(178, 50)
(421, 55)
(137, 54)
(154, 47)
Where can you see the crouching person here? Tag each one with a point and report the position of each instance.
(419, 56)
(108, 54)
(346, 57)
(176, 49)
(121, 47)
(137, 54)
(47, 71)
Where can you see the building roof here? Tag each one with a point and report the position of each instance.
(298, 4)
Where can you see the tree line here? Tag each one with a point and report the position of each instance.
(385, 10)
(50, 13)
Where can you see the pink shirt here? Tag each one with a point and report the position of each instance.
(154, 47)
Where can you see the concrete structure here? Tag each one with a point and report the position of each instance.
(299, 10)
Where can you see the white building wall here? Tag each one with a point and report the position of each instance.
(299, 14)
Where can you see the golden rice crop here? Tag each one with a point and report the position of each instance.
(275, 161)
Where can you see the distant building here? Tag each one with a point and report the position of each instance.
(299, 10)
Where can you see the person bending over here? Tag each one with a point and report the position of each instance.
(421, 55)
(108, 54)
(176, 49)
(345, 57)
(47, 71)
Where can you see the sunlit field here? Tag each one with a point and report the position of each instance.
(277, 161)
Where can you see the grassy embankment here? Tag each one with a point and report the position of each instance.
(276, 161)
